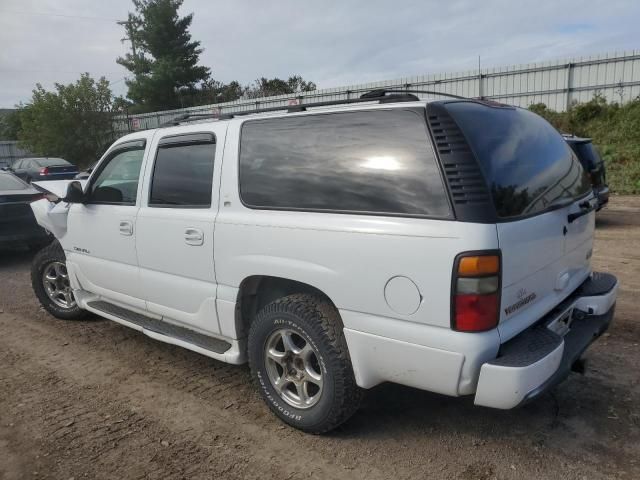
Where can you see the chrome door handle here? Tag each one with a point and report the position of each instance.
(194, 236)
(126, 228)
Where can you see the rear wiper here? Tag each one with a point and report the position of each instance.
(585, 209)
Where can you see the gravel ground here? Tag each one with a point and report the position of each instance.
(93, 399)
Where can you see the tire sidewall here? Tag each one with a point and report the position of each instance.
(264, 326)
(49, 254)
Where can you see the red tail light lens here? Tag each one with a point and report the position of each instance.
(476, 313)
(475, 302)
(44, 171)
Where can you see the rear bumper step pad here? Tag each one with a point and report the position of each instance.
(538, 359)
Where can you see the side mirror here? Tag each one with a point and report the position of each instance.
(75, 194)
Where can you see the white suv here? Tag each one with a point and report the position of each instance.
(444, 245)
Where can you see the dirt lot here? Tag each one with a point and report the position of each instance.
(93, 399)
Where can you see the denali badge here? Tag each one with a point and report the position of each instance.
(524, 299)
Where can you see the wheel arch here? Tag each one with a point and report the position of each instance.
(257, 291)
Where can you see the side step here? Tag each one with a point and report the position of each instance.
(158, 326)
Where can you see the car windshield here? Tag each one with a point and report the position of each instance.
(9, 182)
(49, 162)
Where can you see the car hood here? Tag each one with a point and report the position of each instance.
(56, 187)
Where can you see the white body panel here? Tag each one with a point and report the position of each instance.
(538, 259)
(350, 258)
(505, 387)
(105, 258)
(175, 250)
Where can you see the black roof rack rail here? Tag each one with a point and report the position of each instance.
(381, 92)
(381, 95)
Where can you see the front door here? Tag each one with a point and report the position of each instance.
(101, 233)
(175, 227)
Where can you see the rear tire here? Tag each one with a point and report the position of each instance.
(300, 363)
(50, 282)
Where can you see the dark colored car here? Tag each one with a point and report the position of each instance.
(83, 175)
(37, 169)
(17, 224)
(592, 162)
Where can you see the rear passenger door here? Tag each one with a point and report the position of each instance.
(175, 227)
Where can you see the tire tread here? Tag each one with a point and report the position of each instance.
(328, 326)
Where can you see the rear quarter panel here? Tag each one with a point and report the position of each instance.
(351, 258)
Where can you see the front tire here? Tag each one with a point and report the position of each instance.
(50, 282)
(300, 363)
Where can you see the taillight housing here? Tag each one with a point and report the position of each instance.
(475, 291)
(44, 171)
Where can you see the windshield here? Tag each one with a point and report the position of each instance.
(9, 182)
(528, 165)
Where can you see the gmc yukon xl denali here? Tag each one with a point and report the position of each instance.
(445, 245)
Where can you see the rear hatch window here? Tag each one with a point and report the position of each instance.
(528, 166)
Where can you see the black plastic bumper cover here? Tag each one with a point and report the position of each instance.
(582, 334)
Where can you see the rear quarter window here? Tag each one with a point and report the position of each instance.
(376, 161)
(527, 164)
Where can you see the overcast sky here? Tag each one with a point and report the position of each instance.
(333, 43)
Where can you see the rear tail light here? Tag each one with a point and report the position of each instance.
(44, 171)
(475, 291)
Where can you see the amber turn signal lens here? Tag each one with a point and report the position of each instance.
(479, 265)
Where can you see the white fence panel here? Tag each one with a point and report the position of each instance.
(556, 84)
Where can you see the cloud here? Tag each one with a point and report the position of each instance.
(333, 43)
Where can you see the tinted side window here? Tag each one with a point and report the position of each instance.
(527, 163)
(183, 175)
(117, 182)
(377, 161)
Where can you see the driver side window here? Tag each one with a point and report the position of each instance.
(117, 182)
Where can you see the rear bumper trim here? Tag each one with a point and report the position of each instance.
(538, 359)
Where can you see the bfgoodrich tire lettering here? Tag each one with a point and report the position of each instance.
(53, 254)
(316, 325)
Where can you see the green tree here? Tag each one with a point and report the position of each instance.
(164, 59)
(214, 91)
(9, 124)
(264, 87)
(73, 121)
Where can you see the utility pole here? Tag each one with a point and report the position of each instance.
(479, 79)
(130, 26)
